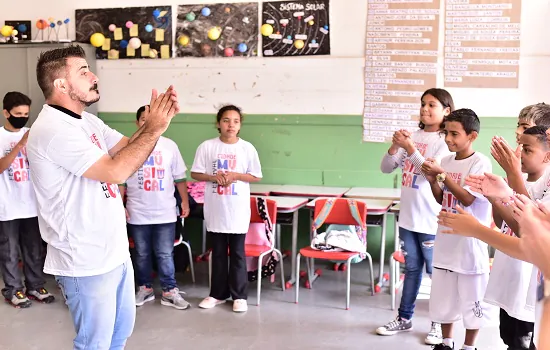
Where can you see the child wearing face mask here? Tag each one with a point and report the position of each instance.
(19, 230)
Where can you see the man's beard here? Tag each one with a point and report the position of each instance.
(80, 97)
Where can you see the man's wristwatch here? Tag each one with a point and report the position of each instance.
(441, 177)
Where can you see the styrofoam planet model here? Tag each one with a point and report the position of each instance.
(123, 44)
(267, 29)
(134, 43)
(6, 30)
(242, 47)
(97, 39)
(22, 28)
(129, 24)
(148, 28)
(214, 33)
(205, 11)
(228, 52)
(299, 44)
(112, 27)
(190, 17)
(14, 32)
(183, 40)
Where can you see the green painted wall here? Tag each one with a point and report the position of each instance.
(306, 150)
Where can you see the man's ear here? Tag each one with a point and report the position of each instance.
(6, 113)
(61, 85)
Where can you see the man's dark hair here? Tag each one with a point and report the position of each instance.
(466, 117)
(15, 99)
(139, 112)
(539, 132)
(51, 63)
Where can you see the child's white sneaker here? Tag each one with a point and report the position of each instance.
(240, 305)
(210, 302)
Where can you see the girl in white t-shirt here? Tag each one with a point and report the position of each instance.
(419, 209)
(228, 164)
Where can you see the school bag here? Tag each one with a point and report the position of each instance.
(357, 242)
(261, 234)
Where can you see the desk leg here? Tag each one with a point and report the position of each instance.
(293, 277)
(382, 249)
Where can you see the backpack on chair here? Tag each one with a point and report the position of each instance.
(358, 231)
(261, 234)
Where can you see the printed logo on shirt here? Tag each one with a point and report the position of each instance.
(410, 174)
(225, 163)
(19, 168)
(109, 190)
(449, 200)
(151, 174)
(507, 230)
(478, 310)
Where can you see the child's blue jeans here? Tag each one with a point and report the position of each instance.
(418, 250)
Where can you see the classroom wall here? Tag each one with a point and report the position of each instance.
(292, 105)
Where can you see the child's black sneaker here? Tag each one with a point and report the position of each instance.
(19, 300)
(40, 295)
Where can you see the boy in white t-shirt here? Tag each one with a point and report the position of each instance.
(19, 230)
(517, 301)
(151, 214)
(461, 264)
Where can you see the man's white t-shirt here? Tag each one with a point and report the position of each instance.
(150, 190)
(227, 209)
(82, 220)
(510, 282)
(17, 199)
(419, 209)
(457, 253)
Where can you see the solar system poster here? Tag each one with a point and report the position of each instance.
(295, 28)
(217, 30)
(128, 32)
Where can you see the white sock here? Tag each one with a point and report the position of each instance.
(449, 342)
(468, 347)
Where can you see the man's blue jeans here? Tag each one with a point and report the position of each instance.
(157, 239)
(418, 250)
(103, 308)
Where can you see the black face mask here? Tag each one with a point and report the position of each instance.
(18, 122)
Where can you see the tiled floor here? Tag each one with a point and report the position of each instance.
(319, 321)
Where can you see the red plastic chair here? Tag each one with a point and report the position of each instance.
(339, 215)
(260, 251)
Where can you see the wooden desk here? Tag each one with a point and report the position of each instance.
(374, 193)
(310, 191)
(262, 189)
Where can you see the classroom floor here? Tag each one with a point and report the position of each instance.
(319, 321)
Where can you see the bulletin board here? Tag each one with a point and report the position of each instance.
(129, 32)
(407, 52)
(295, 28)
(217, 30)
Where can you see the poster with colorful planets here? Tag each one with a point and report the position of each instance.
(128, 32)
(295, 28)
(217, 30)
